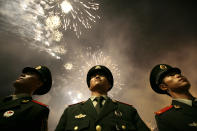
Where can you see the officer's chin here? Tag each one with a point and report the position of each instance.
(182, 88)
(186, 85)
(96, 87)
(17, 83)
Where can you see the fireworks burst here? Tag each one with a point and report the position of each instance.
(41, 23)
(68, 66)
(74, 14)
(100, 58)
(80, 67)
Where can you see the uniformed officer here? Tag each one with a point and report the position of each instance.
(181, 115)
(99, 112)
(19, 112)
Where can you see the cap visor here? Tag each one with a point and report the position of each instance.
(30, 69)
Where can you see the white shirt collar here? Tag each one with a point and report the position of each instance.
(93, 97)
(14, 97)
(185, 101)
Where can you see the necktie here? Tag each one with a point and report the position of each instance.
(99, 105)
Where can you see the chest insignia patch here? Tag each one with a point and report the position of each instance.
(8, 113)
(80, 116)
(194, 124)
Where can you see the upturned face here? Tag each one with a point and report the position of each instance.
(176, 82)
(99, 82)
(27, 81)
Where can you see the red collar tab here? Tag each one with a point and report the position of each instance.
(163, 110)
(39, 103)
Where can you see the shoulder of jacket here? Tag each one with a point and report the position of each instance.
(115, 101)
(76, 103)
(37, 102)
(163, 110)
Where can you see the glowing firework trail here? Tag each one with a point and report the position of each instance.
(74, 14)
(41, 23)
(24, 19)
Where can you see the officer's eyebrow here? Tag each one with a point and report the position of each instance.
(97, 73)
(172, 73)
(31, 72)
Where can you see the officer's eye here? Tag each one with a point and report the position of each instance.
(30, 73)
(171, 73)
(93, 75)
(98, 73)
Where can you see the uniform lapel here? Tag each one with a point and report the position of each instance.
(5, 100)
(108, 107)
(89, 109)
(6, 105)
(10, 104)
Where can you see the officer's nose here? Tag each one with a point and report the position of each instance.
(178, 75)
(97, 76)
(23, 75)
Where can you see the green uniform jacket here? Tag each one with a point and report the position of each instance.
(180, 117)
(114, 116)
(23, 114)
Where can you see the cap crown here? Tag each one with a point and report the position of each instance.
(158, 73)
(101, 69)
(45, 76)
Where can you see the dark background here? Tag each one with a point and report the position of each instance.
(134, 35)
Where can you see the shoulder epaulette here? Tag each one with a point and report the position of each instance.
(39, 103)
(163, 110)
(122, 102)
(76, 103)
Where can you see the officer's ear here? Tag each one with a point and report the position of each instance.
(36, 86)
(40, 84)
(163, 87)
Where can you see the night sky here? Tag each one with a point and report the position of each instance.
(134, 35)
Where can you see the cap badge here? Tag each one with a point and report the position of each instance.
(80, 116)
(8, 113)
(194, 124)
(163, 67)
(97, 67)
(38, 67)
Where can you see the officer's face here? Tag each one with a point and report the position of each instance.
(176, 82)
(28, 80)
(98, 81)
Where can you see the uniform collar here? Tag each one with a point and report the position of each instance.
(104, 96)
(185, 101)
(21, 95)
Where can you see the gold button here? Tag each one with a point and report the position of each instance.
(123, 127)
(76, 128)
(98, 128)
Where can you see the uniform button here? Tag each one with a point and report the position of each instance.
(98, 128)
(123, 127)
(76, 128)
